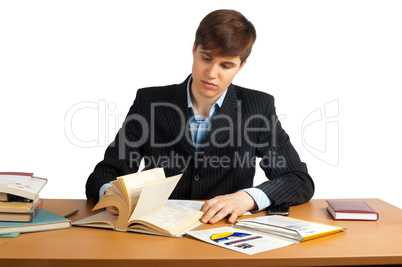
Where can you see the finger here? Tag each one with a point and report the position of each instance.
(209, 209)
(212, 212)
(208, 215)
(208, 204)
(216, 218)
(220, 215)
(233, 217)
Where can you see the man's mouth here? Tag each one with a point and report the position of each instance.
(208, 84)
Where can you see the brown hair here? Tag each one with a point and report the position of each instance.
(227, 33)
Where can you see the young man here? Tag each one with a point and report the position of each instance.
(211, 131)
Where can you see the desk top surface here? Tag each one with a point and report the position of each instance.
(363, 243)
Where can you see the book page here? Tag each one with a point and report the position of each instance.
(35, 185)
(270, 229)
(132, 184)
(192, 204)
(154, 195)
(174, 219)
(18, 181)
(115, 189)
(305, 229)
(101, 220)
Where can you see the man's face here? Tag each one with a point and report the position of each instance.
(212, 74)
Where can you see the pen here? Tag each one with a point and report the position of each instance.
(70, 213)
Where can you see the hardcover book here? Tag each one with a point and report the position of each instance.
(20, 211)
(351, 210)
(43, 221)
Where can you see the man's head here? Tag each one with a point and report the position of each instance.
(222, 44)
(226, 33)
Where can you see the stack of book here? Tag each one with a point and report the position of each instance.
(19, 199)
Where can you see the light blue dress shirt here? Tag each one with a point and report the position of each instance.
(199, 126)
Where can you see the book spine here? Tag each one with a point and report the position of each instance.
(36, 208)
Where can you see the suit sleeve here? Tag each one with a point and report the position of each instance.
(289, 180)
(123, 155)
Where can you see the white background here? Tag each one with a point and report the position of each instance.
(69, 71)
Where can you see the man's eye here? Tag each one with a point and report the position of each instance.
(206, 59)
(226, 66)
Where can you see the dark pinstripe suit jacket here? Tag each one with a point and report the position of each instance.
(245, 128)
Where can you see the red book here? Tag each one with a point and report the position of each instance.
(351, 210)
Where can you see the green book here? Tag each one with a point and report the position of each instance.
(43, 221)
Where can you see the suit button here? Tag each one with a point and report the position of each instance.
(196, 178)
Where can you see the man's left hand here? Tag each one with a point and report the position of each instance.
(235, 204)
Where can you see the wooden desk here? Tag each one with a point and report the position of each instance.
(364, 243)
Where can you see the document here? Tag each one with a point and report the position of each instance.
(241, 240)
(264, 233)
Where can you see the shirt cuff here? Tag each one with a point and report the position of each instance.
(102, 190)
(259, 197)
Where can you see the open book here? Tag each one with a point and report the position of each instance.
(140, 198)
(265, 233)
(287, 227)
(24, 185)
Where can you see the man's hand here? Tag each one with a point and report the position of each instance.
(112, 210)
(235, 204)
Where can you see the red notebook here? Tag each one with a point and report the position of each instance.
(351, 210)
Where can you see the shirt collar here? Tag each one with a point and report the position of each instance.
(218, 102)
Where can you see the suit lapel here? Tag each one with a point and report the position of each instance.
(179, 125)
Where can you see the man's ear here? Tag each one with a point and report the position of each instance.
(242, 65)
(193, 48)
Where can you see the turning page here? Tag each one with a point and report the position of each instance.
(133, 186)
(154, 196)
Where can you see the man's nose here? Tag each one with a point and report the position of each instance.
(212, 71)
